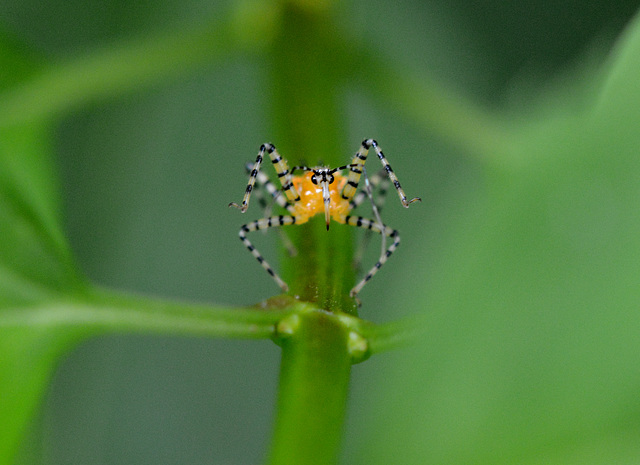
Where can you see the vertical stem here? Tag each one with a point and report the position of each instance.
(314, 381)
(308, 128)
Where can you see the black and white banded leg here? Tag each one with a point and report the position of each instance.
(380, 182)
(263, 183)
(386, 231)
(284, 175)
(359, 160)
(264, 223)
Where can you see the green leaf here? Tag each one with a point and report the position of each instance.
(29, 357)
(35, 262)
(529, 352)
(34, 256)
(35, 265)
(46, 306)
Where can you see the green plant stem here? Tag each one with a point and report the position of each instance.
(314, 380)
(308, 128)
(63, 87)
(109, 312)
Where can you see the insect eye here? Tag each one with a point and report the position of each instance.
(331, 179)
(314, 179)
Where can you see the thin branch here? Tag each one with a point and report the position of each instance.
(111, 313)
(394, 335)
(427, 104)
(132, 65)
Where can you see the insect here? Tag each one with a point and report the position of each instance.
(320, 190)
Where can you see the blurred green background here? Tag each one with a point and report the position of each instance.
(525, 272)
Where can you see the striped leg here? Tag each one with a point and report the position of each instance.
(281, 167)
(365, 223)
(262, 181)
(259, 191)
(380, 182)
(263, 223)
(356, 171)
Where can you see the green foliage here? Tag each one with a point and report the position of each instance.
(36, 268)
(524, 334)
(531, 352)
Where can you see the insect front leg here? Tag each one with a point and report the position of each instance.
(358, 162)
(244, 205)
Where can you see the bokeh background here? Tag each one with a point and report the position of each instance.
(146, 178)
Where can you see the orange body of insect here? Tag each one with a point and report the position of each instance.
(312, 203)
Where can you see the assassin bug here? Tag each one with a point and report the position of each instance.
(319, 190)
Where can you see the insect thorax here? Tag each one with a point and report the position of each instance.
(311, 202)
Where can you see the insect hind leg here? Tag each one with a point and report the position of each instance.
(264, 223)
(386, 231)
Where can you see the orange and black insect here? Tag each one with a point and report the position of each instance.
(319, 190)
